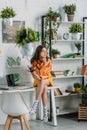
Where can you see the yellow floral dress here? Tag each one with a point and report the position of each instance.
(44, 71)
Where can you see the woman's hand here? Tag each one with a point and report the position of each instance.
(44, 60)
(36, 76)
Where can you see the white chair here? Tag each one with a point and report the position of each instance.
(15, 108)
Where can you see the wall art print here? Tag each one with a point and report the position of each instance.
(9, 30)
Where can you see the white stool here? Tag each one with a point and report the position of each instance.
(14, 107)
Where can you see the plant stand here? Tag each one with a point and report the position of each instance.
(82, 112)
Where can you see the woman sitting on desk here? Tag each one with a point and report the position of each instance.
(41, 71)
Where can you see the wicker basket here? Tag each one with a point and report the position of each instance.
(82, 112)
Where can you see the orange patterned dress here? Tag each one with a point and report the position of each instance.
(44, 71)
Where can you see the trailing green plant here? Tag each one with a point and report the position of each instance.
(70, 9)
(55, 51)
(54, 17)
(25, 35)
(76, 28)
(7, 12)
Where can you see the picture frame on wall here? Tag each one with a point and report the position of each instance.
(9, 31)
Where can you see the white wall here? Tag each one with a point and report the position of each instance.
(31, 11)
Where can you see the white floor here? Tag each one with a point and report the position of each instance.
(64, 123)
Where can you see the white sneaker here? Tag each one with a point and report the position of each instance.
(32, 111)
(32, 114)
(45, 119)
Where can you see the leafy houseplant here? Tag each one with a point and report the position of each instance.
(78, 46)
(76, 29)
(55, 52)
(84, 96)
(70, 10)
(24, 36)
(7, 12)
(77, 87)
(53, 17)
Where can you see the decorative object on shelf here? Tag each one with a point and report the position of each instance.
(84, 70)
(24, 38)
(54, 53)
(70, 10)
(77, 87)
(11, 62)
(12, 79)
(68, 55)
(66, 36)
(7, 14)
(69, 73)
(76, 29)
(78, 46)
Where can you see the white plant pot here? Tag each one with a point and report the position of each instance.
(27, 50)
(76, 36)
(8, 21)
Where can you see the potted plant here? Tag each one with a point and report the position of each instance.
(55, 52)
(76, 29)
(84, 94)
(77, 87)
(53, 17)
(78, 46)
(7, 14)
(25, 36)
(70, 11)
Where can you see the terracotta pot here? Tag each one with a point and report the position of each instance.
(54, 56)
(70, 17)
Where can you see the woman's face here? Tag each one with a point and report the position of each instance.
(43, 53)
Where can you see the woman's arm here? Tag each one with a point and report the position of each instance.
(33, 71)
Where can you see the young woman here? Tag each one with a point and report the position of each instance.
(41, 72)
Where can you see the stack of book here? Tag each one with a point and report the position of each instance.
(57, 91)
(58, 73)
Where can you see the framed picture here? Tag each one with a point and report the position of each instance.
(9, 31)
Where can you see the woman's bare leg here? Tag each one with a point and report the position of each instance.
(41, 88)
(39, 91)
(44, 96)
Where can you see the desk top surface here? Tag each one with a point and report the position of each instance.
(20, 88)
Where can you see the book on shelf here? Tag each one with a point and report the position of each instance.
(79, 56)
(57, 91)
(59, 72)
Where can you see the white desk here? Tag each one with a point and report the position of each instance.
(26, 89)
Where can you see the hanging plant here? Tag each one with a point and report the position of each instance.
(53, 17)
(25, 35)
(7, 12)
